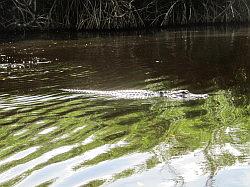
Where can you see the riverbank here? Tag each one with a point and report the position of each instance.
(116, 14)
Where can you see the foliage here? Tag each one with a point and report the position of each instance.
(117, 14)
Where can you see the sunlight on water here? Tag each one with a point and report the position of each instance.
(19, 169)
(64, 169)
(19, 155)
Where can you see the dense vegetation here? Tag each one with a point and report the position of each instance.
(117, 14)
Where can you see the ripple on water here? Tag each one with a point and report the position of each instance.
(20, 155)
(47, 131)
(64, 171)
(22, 168)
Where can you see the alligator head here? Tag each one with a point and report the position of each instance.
(182, 95)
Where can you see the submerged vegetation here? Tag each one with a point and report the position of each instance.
(157, 132)
(118, 14)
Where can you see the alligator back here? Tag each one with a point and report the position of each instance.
(120, 94)
(141, 94)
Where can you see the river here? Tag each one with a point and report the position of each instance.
(49, 137)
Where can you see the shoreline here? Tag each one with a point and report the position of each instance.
(190, 27)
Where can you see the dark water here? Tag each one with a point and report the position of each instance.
(52, 138)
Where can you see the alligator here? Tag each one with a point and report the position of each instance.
(141, 94)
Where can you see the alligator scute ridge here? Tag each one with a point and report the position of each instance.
(141, 94)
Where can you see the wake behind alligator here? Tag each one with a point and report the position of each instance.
(141, 94)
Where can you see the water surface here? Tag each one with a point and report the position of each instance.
(52, 138)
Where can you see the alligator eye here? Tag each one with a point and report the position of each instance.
(185, 92)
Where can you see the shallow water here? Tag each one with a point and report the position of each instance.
(53, 138)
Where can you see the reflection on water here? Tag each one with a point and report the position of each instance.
(50, 137)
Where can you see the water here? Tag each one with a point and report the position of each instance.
(54, 138)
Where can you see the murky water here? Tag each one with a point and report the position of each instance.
(53, 138)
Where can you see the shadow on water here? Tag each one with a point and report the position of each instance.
(49, 137)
